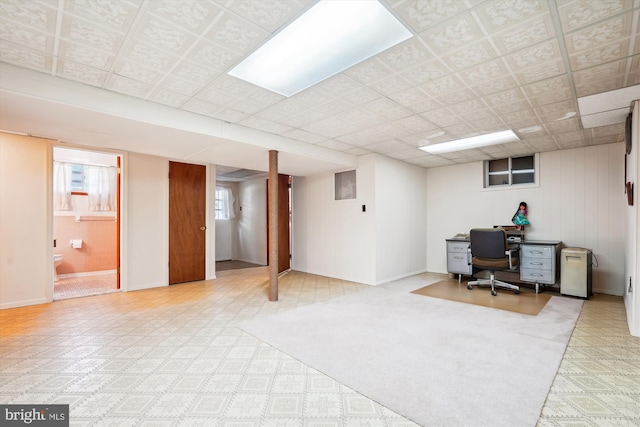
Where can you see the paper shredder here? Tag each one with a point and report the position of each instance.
(575, 272)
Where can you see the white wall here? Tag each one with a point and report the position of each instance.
(632, 299)
(26, 240)
(252, 221)
(147, 221)
(335, 238)
(400, 216)
(579, 200)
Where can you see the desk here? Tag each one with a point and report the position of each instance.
(539, 260)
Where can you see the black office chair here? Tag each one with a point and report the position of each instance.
(490, 251)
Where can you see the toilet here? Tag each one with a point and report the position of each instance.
(57, 260)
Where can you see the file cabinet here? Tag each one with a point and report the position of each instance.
(539, 262)
(458, 257)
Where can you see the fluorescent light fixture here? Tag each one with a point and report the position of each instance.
(327, 39)
(472, 142)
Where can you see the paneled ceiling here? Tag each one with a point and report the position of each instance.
(472, 67)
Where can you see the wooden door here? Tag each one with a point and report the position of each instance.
(187, 222)
(284, 245)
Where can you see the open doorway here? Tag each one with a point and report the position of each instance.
(86, 222)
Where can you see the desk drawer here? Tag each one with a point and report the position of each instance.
(457, 247)
(536, 275)
(535, 251)
(536, 263)
(458, 263)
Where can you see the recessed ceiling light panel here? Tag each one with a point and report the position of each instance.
(472, 142)
(327, 39)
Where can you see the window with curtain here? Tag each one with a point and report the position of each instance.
(224, 203)
(101, 187)
(62, 177)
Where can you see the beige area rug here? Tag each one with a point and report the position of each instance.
(434, 361)
(526, 302)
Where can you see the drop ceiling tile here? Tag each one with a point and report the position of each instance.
(265, 125)
(391, 85)
(541, 72)
(135, 72)
(229, 115)
(549, 90)
(425, 105)
(605, 140)
(461, 130)
(389, 146)
(195, 73)
(505, 110)
(494, 86)
(87, 33)
(471, 55)
(581, 13)
(22, 35)
(600, 54)
(201, 107)
(456, 97)
(360, 96)
(496, 16)
(128, 86)
(148, 56)
(269, 15)
(358, 151)
(522, 120)
(331, 127)
(84, 55)
(304, 136)
(115, 14)
(542, 144)
(430, 161)
(474, 109)
(24, 57)
(563, 125)
(167, 97)
(235, 34)
(388, 109)
(81, 73)
(444, 85)
(161, 34)
(369, 71)
(176, 84)
(414, 124)
(489, 124)
(600, 73)
(486, 71)
(339, 85)
(335, 145)
(313, 96)
(602, 33)
(565, 145)
(286, 108)
(409, 96)
(407, 54)
(557, 111)
(616, 129)
(251, 105)
(213, 56)
(426, 72)
(453, 34)
(38, 16)
(420, 14)
(535, 55)
(193, 16)
(442, 117)
(525, 34)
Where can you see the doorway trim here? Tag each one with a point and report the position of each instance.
(121, 218)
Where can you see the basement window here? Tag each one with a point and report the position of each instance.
(510, 171)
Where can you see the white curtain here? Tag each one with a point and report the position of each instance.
(101, 182)
(224, 203)
(61, 186)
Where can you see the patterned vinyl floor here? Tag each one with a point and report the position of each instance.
(173, 356)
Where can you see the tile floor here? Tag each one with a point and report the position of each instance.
(74, 287)
(173, 357)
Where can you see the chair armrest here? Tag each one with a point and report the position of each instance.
(509, 252)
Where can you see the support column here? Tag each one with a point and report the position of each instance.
(273, 225)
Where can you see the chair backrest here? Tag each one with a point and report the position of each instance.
(488, 242)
